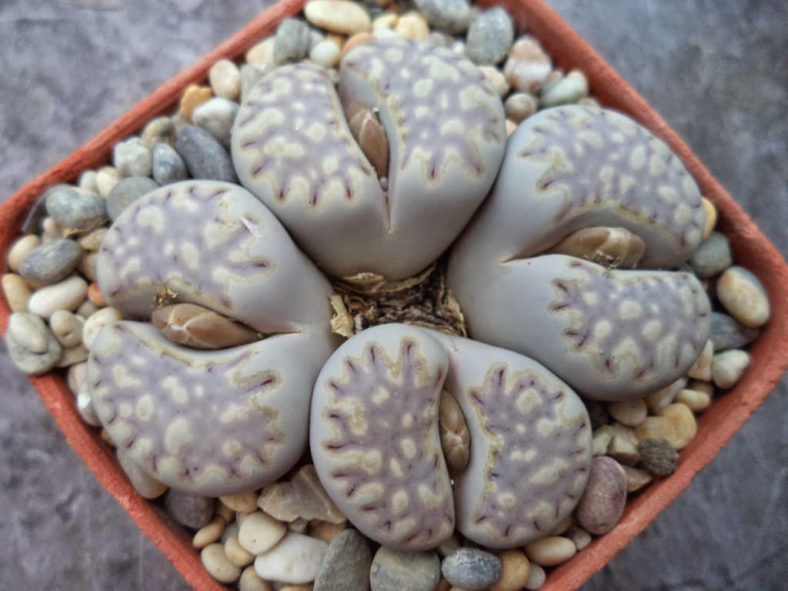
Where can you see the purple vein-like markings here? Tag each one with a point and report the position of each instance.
(386, 469)
(657, 319)
(537, 456)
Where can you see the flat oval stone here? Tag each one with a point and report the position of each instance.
(471, 569)
(604, 498)
(452, 16)
(65, 295)
(168, 166)
(204, 155)
(728, 367)
(338, 16)
(75, 210)
(744, 297)
(726, 333)
(712, 257)
(32, 347)
(126, 192)
(292, 41)
(50, 262)
(395, 570)
(346, 564)
(490, 36)
(296, 559)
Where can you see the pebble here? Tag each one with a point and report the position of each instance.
(49, 263)
(19, 250)
(225, 79)
(237, 554)
(209, 533)
(551, 550)
(675, 424)
(695, 400)
(225, 512)
(250, 75)
(628, 412)
(515, 568)
(147, 486)
(132, 157)
(659, 399)
(204, 155)
(528, 66)
(106, 179)
(563, 525)
(95, 295)
(32, 347)
(536, 577)
(490, 36)
(452, 16)
(303, 496)
(470, 568)
(86, 310)
(250, 581)
(296, 559)
(520, 105)
(293, 40)
(75, 210)
(711, 217)
(72, 356)
(188, 509)
(354, 41)
(158, 130)
(87, 266)
(92, 240)
(569, 89)
(743, 297)
(712, 257)
(601, 441)
(605, 496)
(623, 450)
(87, 181)
(395, 570)
(16, 292)
(726, 333)
(325, 530)
(51, 229)
(300, 525)
(412, 25)
(126, 192)
(262, 54)
(580, 537)
(346, 563)
(245, 502)
(728, 367)
(193, 97)
(495, 77)
(701, 369)
(658, 457)
(216, 116)
(387, 20)
(440, 39)
(259, 532)
(448, 545)
(168, 166)
(338, 16)
(326, 54)
(65, 295)
(218, 565)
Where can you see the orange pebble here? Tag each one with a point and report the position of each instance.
(94, 295)
(355, 40)
(192, 98)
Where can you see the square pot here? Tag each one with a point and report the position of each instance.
(715, 427)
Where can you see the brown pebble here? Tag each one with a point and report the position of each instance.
(355, 41)
(605, 496)
(16, 292)
(192, 98)
(636, 478)
(711, 217)
(325, 530)
(658, 457)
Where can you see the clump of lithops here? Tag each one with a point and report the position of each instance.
(258, 304)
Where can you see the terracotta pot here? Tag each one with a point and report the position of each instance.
(716, 426)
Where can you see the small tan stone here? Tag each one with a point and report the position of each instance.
(412, 25)
(636, 478)
(520, 105)
(303, 496)
(387, 20)
(579, 536)
(701, 386)
(209, 533)
(299, 526)
(160, 129)
(16, 292)
(259, 532)
(245, 502)
(727, 368)
(236, 553)
(95, 295)
(337, 38)
(514, 573)
(92, 240)
(87, 265)
(604, 498)
(262, 54)
(711, 217)
(96, 322)
(743, 296)
(87, 181)
(325, 530)
(536, 577)
(601, 441)
(623, 450)
(695, 400)
(72, 356)
(51, 228)
(250, 581)
(225, 512)
(496, 78)
(301, 587)
(675, 424)
(106, 179)
(20, 249)
(448, 546)
(64, 295)
(225, 79)
(218, 565)
(338, 16)
(193, 97)
(628, 412)
(528, 66)
(511, 127)
(701, 369)
(551, 550)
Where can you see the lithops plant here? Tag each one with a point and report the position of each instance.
(209, 422)
(374, 438)
(591, 182)
(424, 115)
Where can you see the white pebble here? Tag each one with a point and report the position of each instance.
(569, 89)
(218, 565)
(87, 181)
(260, 532)
(262, 54)
(20, 249)
(697, 401)
(67, 327)
(209, 533)
(536, 577)
(728, 367)
(216, 116)
(628, 412)
(96, 322)
(65, 295)
(132, 157)
(86, 410)
(225, 79)
(296, 559)
(76, 377)
(551, 550)
(106, 179)
(326, 53)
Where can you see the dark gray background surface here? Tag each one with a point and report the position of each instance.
(717, 71)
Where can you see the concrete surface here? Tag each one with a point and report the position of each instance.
(717, 71)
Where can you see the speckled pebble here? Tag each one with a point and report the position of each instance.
(49, 263)
(218, 565)
(726, 333)
(74, 209)
(204, 155)
(604, 498)
(658, 457)
(326, 53)
(452, 16)
(296, 559)
(216, 116)
(728, 367)
(346, 563)
(225, 79)
(16, 292)
(147, 486)
(293, 40)
(394, 570)
(338, 16)
(132, 157)
(490, 36)
(189, 509)
(168, 166)
(472, 569)
(712, 257)
(567, 90)
(32, 347)
(64, 295)
(550, 550)
(126, 192)
(528, 66)
(743, 297)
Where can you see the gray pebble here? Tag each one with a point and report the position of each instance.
(726, 333)
(204, 155)
(293, 41)
(712, 257)
(216, 116)
(189, 509)
(74, 209)
(126, 192)
(50, 262)
(132, 157)
(470, 568)
(394, 570)
(31, 345)
(452, 16)
(168, 166)
(490, 36)
(346, 564)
